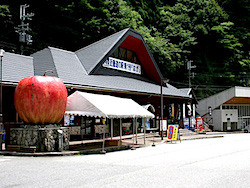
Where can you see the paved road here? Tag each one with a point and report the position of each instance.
(216, 162)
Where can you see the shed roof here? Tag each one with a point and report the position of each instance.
(96, 105)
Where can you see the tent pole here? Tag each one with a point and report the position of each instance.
(136, 130)
(112, 128)
(144, 130)
(103, 137)
(120, 131)
(81, 127)
(133, 148)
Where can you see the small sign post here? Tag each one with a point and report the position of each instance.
(173, 133)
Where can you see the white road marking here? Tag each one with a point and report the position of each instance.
(2, 160)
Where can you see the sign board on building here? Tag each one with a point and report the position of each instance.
(147, 123)
(183, 110)
(189, 109)
(101, 129)
(66, 120)
(194, 110)
(172, 110)
(163, 125)
(122, 65)
(71, 120)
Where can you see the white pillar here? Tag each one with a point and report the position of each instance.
(184, 111)
(194, 110)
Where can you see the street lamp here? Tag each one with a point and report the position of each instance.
(1, 105)
(161, 124)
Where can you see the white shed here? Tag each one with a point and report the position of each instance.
(227, 110)
(106, 106)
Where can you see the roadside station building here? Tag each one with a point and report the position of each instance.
(120, 65)
(228, 110)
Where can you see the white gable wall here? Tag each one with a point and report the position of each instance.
(215, 101)
(221, 116)
(242, 92)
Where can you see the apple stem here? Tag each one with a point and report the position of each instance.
(48, 71)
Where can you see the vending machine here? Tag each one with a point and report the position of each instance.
(199, 123)
(186, 123)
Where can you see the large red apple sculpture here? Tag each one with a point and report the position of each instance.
(41, 99)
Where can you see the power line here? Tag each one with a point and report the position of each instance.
(205, 86)
(22, 29)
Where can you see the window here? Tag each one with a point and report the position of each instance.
(125, 54)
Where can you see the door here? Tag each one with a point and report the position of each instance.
(86, 128)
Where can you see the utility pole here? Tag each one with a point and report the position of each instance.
(189, 68)
(1, 101)
(163, 81)
(22, 29)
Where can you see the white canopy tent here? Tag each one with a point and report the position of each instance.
(106, 106)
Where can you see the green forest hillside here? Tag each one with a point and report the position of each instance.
(213, 34)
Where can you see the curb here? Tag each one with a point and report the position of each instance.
(95, 151)
(66, 153)
(206, 137)
(39, 154)
(107, 149)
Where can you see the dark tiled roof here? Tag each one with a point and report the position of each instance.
(16, 67)
(124, 84)
(92, 55)
(70, 70)
(74, 68)
(43, 61)
(68, 66)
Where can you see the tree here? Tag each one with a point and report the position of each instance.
(148, 9)
(212, 33)
(6, 23)
(162, 49)
(188, 25)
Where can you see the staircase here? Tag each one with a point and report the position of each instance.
(206, 127)
(186, 132)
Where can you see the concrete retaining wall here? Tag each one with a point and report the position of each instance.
(44, 137)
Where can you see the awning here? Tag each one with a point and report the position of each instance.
(96, 105)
